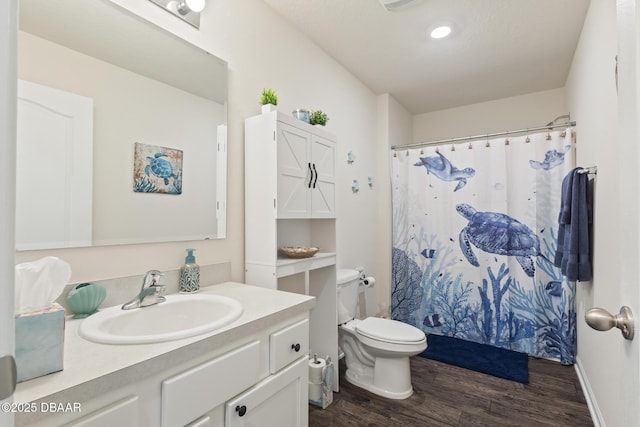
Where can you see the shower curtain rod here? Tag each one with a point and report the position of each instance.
(459, 140)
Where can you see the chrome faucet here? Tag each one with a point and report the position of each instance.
(150, 294)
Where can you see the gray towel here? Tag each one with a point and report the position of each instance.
(572, 253)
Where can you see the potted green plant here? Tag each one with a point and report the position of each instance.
(317, 117)
(268, 100)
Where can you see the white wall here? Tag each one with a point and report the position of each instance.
(518, 112)
(395, 128)
(592, 96)
(262, 51)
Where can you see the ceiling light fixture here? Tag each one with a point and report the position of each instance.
(440, 32)
(187, 6)
(393, 5)
(187, 10)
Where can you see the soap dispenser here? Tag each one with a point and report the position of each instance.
(190, 274)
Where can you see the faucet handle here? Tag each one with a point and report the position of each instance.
(152, 278)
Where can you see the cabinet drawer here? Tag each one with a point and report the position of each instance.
(288, 344)
(280, 400)
(123, 413)
(192, 393)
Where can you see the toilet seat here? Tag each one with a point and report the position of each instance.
(389, 331)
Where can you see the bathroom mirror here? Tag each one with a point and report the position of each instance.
(121, 130)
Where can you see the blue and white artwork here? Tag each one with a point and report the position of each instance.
(157, 169)
(475, 264)
(442, 169)
(500, 234)
(552, 158)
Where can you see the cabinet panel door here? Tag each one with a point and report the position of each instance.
(196, 391)
(294, 172)
(323, 154)
(123, 414)
(280, 400)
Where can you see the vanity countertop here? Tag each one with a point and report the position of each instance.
(88, 365)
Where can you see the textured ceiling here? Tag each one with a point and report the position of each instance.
(499, 48)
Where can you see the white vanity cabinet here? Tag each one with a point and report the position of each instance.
(236, 381)
(290, 201)
(259, 365)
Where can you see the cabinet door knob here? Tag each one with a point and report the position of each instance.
(241, 410)
(295, 347)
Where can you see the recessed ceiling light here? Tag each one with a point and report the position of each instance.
(441, 32)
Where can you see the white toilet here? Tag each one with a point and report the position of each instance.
(376, 350)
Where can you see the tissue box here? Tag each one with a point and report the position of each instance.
(39, 342)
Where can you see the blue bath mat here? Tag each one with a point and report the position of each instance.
(487, 359)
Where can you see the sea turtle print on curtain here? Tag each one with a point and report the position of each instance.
(442, 168)
(473, 263)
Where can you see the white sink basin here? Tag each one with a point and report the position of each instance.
(180, 316)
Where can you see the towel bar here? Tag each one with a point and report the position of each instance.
(590, 170)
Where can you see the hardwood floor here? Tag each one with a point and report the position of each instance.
(446, 395)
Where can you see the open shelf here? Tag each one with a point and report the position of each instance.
(288, 266)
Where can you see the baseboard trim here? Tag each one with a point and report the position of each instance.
(592, 404)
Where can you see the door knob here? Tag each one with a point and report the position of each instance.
(601, 320)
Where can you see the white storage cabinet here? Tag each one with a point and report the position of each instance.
(290, 201)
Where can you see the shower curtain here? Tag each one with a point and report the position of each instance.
(474, 237)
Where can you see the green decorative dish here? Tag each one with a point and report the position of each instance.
(85, 299)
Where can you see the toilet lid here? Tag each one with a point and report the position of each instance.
(389, 330)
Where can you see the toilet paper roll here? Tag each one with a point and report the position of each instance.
(315, 392)
(316, 370)
(369, 281)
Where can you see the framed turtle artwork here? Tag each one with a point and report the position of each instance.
(157, 169)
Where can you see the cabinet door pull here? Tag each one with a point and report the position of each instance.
(310, 174)
(241, 410)
(295, 347)
(316, 175)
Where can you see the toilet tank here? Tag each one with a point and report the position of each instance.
(348, 284)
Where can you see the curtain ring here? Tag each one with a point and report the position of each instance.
(470, 147)
(548, 136)
(453, 147)
(506, 141)
(395, 154)
(422, 151)
(437, 150)
(407, 153)
(563, 134)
